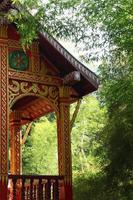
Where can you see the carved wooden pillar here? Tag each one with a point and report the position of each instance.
(64, 141)
(15, 146)
(3, 112)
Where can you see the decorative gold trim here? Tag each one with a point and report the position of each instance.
(64, 137)
(35, 78)
(15, 136)
(3, 110)
(64, 91)
(19, 89)
(14, 44)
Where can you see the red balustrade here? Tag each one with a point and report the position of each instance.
(35, 187)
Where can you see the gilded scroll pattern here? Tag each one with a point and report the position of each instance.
(3, 109)
(18, 89)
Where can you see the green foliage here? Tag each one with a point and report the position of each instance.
(40, 150)
(113, 17)
(104, 24)
(87, 138)
(95, 187)
(27, 24)
(116, 94)
(89, 187)
(102, 138)
(36, 16)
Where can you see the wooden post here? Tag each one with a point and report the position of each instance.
(15, 143)
(3, 113)
(15, 148)
(64, 141)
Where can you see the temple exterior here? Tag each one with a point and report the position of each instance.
(42, 79)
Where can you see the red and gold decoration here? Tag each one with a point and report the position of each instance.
(34, 82)
(15, 143)
(64, 140)
(3, 113)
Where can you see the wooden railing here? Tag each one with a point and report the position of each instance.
(27, 187)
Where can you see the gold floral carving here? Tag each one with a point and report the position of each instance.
(26, 88)
(18, 89)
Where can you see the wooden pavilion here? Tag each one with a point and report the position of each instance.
(33, 83)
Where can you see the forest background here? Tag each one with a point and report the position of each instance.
(102, 136)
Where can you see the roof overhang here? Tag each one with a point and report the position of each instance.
(66, 64)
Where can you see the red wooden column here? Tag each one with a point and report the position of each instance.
(15, 146)
(3, 112)
(64, 142)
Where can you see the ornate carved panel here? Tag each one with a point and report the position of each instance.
(32, 53)
(19, 89)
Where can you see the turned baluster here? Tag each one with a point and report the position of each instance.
(14, 181)
(40, 190)
(48, 190)
(56, 190)
(31, 188)
(23, 189)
